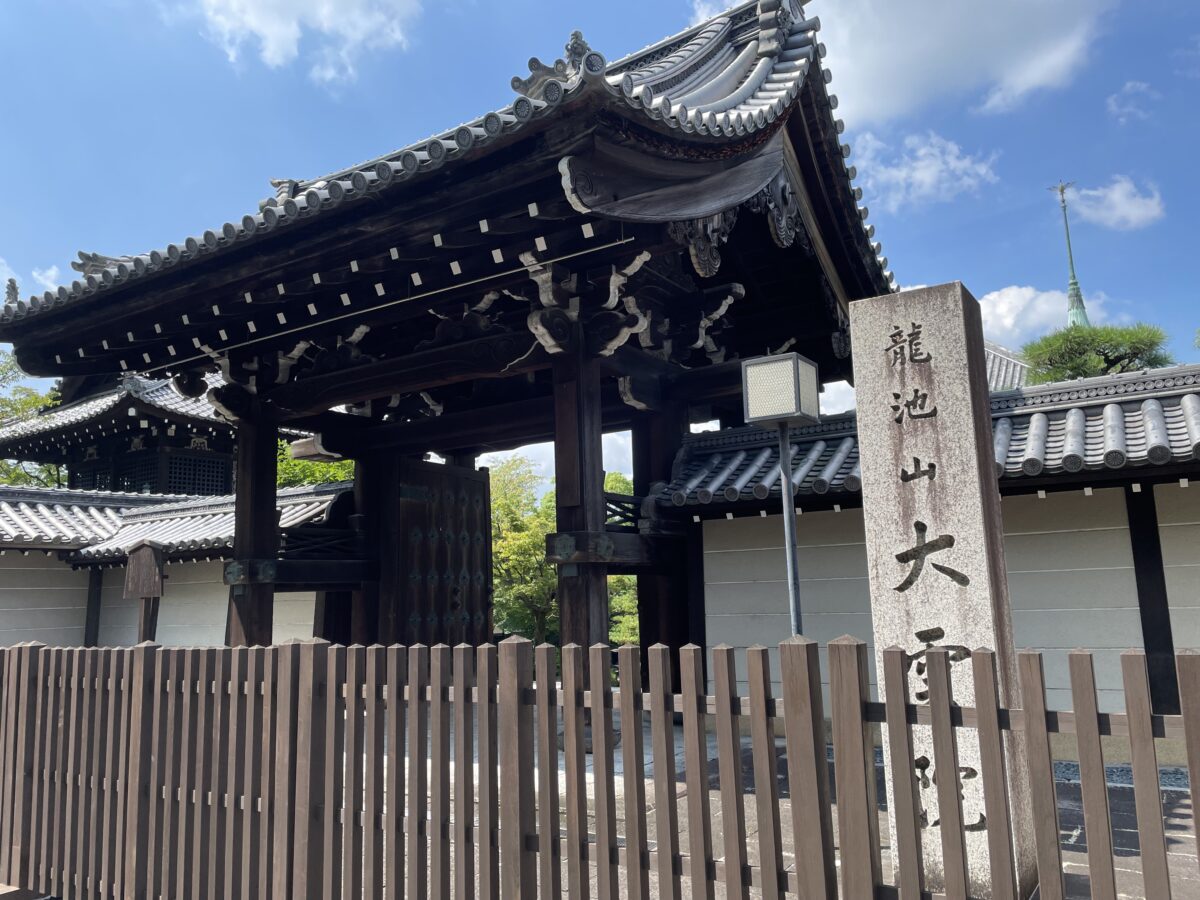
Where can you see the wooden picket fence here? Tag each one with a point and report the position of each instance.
(315, 771)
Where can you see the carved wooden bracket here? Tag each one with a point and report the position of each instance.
(703, 238)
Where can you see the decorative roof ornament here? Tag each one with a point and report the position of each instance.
(775, 20)
(96, 263)
(1076, 309)
(12, 293)
(548, 83)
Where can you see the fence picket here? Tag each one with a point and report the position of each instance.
(439, 781)
(695, 767)
(87, 750)
(46, 764)
(235, 785)
(375, 679)
(218, 771)
(662, 743)
(633, 765)
(188, 808)
(1093, 784)
(994, 771)
(334, 695)
(1146, 792)
(729, 766)
(854, 768)
(283, 812)
(393, 869)
(947, 775)
(518, 863)
(905, 798)
(416, 822)
(308, 821)
(265, 877)
(1187, 665)
(114, 771)
(603, 786)
(487, 838)
(464, 774)
(8, 721)
(352, 818)
(138, 784)
(549, 845)
(766, 765)
(171, 805)
(808, 769)
(252, 770)
(574, 765)
(202, 775)
(23, 765)
(1041, 777)
(333, 752)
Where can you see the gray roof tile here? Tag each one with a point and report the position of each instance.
(1141, 419)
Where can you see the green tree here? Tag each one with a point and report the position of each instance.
(525, 585)
(295, 472)
(18, 400)
(1084, 352)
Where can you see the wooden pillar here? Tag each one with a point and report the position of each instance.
(662, 594)
(1151, 579)
(256, 532)
(91, 623)
(579, 492)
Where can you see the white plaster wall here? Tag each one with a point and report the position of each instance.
(41, 599)
(1179, 530)
(193, 607)
(1070, 579)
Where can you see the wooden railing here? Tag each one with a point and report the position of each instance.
(310, 770)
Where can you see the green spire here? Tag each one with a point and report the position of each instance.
(1076, 310)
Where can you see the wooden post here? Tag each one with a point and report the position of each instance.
(579, 492)
(657, 437)
(518, 862)
(256, 532)
(91, 622)
(143, 584)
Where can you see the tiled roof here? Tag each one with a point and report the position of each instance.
(1142, 419)
(198, 525)
(154, 392)
(1006, 369)
(726, 78)
(64, 519)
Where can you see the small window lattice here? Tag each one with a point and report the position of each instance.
(92, 477)
(138, 473)
(197, 475)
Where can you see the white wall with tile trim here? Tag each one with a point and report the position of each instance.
(41, 599)
(1070, 568)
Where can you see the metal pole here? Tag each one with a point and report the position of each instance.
(789, 527)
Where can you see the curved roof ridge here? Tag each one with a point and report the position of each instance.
(757, 100)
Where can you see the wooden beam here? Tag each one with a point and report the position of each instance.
(498, 356)
(257, 572)
(626, 549)
(706, 383)
(256, 533)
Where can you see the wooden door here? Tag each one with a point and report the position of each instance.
(443, 555)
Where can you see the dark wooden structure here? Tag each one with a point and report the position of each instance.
(144, 586)
(596, 256)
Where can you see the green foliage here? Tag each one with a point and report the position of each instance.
(1084, 352)
(17, 401)
(525, 585)
(296, 472)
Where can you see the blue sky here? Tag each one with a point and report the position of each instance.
(133, 123)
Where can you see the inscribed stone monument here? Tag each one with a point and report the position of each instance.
(933, 531)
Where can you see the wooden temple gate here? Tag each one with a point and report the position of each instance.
(311, 770)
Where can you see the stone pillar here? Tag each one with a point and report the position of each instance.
(935, 550)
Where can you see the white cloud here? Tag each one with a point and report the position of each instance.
(1187, 58)
(928, 168)
(48, 278)
(702, 10)
(335, 33)
(1119, 205)
(6, 273)
(890, 59)
(1017, 314)
(1129, 103)
(837, 397)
